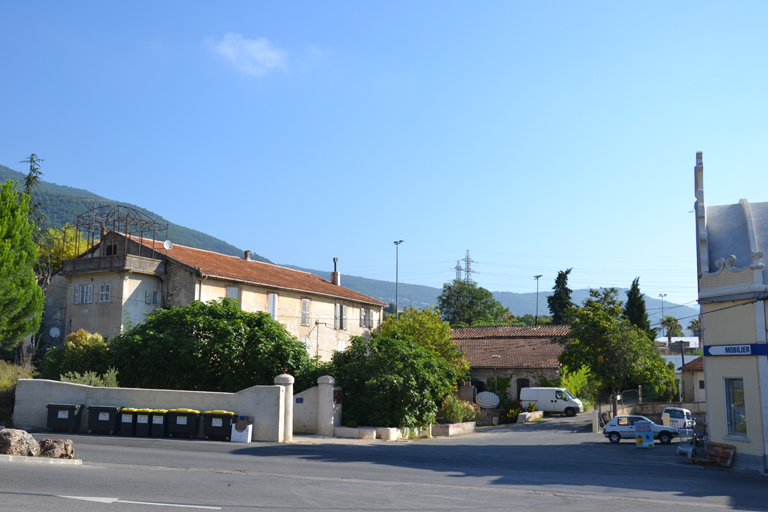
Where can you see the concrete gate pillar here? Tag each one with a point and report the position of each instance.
(286, 381)
(325, 405)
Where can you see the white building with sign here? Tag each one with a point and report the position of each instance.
(733, 286)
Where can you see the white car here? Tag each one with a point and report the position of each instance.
(623, 427)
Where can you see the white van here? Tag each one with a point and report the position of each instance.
(679, 417)
(551, 400)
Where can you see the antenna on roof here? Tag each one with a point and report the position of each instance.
(168, 245)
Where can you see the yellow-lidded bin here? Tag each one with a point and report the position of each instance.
(142, 422)
(159, 420)
(183, 422)
(127, 421)
(218, 424)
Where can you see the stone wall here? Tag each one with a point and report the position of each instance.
(264, 403)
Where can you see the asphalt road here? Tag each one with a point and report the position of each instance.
(553, 465)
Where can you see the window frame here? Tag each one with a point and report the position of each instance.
(731, 407)
(306, 313)
(105, 293)
(272, 304)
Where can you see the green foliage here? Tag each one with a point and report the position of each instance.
(108, 380)
(21, 299)
(510, 415)
(212, 346)
(83, 352)
(560, 305)
(695, 327)
(529, 319)
(502, 385)
(531, 407)
(9, 374)
(672, 325)
(613, 351)
(459, 411)
(390, 380)
(578, 383)
(635, 311)
(427, 329)
(463, 303)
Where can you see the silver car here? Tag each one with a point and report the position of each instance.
(623, 427)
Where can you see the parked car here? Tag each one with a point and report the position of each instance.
(623, 427)
(679, 417)
(551, 400)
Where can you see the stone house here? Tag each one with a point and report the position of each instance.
(692, 380)
(733, 284)
(120, 279)
(524, 353)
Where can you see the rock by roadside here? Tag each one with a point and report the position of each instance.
(57, 448)
(18, 442)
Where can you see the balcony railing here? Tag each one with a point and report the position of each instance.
(113, 264)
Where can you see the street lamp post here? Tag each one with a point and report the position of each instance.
(662, 295)
(537, 297)
(397, 276)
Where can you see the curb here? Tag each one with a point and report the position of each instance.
(41, 460)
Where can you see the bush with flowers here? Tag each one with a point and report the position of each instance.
(459, 411)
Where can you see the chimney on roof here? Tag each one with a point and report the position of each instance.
(247, 256)
(335, 276)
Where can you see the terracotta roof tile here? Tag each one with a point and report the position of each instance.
(234, 268)
(509, 331)
(513, 353)
(697, 365)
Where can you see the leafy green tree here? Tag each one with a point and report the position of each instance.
(21, 300)
(529, 319)
(613, 351)
(427, 329)
(390, 311)
(560, 304)
(213, 346)
(673, 327)
(463, 303)
(390, 380)
(83, 352)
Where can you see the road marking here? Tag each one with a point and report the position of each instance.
(118, 500)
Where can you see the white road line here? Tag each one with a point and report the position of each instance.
(117, 500)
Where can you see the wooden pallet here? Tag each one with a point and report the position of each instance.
(720, 454)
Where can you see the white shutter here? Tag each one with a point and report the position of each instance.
(344, 317)
(89, 297)
(362, 317)
(370, 319)
(104, 292)
(272, 305)
(232, 292)
(337, 317)
(306, 343)
(77, 294)
(304, 311)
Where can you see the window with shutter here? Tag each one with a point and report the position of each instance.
(104, 292)
(370, 319)
(344, 317)
(88, 294)
(272, 305)
(305, 341)
(342, 345)
(362, 317)
(77, 294)
(233, 292)
(337, 317)
(148, 297)
(304, 311)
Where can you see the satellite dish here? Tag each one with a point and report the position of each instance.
(54, 332)
(168, 245)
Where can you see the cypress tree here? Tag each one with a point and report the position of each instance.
(21, 299)
(634, 310)
(560, 304)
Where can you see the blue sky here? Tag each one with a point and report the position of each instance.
(539, 136)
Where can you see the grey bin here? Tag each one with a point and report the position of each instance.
(103, 418)
(64, 416)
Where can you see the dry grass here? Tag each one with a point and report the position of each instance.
(9, 374)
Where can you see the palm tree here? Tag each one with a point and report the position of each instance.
(695, 328)
(673, 327)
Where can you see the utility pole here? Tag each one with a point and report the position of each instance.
(397, 276)
(662, 295)
(537, 298)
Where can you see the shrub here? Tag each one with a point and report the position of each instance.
(83, 352)
(459, 411)
(531, 406)
(9, 374)
(510, 415)
(108, 380)
(391, 381)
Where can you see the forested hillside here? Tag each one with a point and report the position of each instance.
(63, 204)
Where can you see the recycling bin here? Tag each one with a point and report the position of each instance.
(183, 422)
(103, 418)
(218, 424)
(142, 422)
(127, 422)
(64, 416)
(159, 427)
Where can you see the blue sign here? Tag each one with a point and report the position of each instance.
(754, 349)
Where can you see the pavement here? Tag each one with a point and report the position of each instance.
(557, 464)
